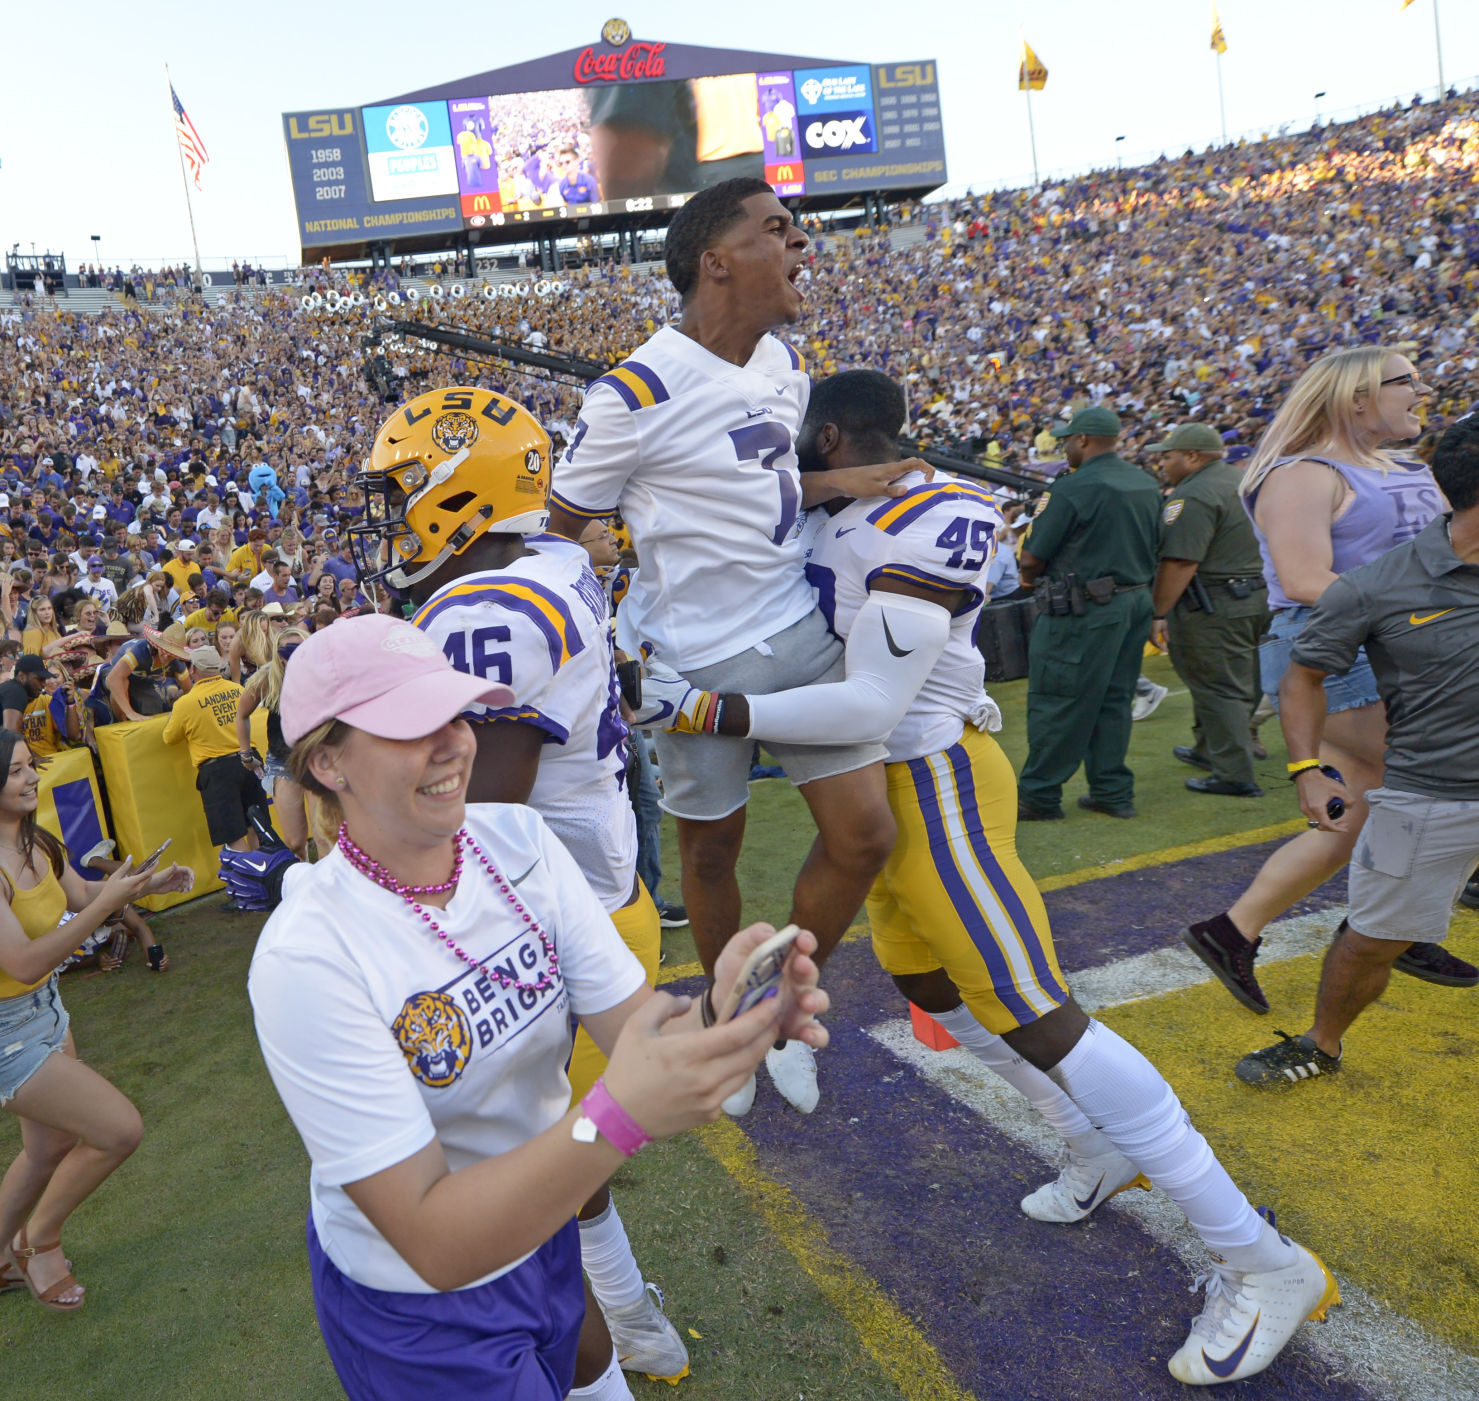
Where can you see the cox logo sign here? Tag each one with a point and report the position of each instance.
(844, 132)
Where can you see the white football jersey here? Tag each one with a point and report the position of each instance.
(542, 627)
(941, 535)
(700, 457)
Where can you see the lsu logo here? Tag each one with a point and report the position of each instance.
(322, 124)
(434, 1038)
(907, 75)
(454, 431)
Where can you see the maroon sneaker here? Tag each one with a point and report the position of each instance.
(1220, 944)
(1434, 964)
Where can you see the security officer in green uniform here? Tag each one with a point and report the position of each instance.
(1212, 602)
(1090, 555)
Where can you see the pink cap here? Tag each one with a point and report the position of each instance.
(380, 675)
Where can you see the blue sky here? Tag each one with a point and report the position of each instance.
(87, 144)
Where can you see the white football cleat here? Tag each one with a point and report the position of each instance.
(1144, 706)
(646, 1341)
(1249, 1317)
(738, 1104)
(1084, 1185)
(793, 1067)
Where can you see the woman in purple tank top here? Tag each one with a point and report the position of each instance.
(1326, 495)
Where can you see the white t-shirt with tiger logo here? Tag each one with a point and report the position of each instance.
(379, 1038)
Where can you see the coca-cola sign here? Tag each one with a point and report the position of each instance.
(637, 60)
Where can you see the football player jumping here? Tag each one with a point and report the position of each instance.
(456, 490)
(957, 921)
(693, 439)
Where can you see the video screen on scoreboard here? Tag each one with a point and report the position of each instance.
(573, 152)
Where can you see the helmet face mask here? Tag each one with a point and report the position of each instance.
(446, 468)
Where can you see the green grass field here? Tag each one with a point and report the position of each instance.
(193, 1253)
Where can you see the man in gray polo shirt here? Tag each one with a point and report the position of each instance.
(1416, 610)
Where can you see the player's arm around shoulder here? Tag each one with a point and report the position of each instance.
(603, 453)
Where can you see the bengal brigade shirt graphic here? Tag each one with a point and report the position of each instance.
(439, 1031)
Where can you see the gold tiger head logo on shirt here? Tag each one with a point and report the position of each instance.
(434, 1037)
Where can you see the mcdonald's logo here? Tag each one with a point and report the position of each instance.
(322, 124)
(789, 177)
(785, 174)
(482, 204)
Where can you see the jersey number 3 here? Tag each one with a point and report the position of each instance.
(768, 441)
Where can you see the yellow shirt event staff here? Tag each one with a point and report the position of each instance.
(205, 719)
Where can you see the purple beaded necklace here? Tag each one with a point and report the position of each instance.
(373, 871)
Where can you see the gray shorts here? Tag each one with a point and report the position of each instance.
(706, 777)
(1411, 860)
(33, 1028)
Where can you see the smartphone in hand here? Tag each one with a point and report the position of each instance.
(761, 975)
(152, 860)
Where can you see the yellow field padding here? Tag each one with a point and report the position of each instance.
(898, 1347)
(1374, 1168)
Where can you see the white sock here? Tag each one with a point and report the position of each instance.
(611, 1385)
(606, 1255)
(1061, 1112)
(1139, 1113)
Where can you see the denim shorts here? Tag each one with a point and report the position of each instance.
(272, 770)
(1357, 687)
(33, 1027)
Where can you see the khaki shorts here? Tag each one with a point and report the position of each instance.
(706, 777)
(1411, 860)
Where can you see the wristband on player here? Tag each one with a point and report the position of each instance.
(1300, 766)
(600, 1113)
(701, 715)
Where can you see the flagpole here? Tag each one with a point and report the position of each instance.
(1032, 135)
(1221, 105)
(185, 180)
(1438, 41)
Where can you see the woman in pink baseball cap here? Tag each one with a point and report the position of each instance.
(413, 996)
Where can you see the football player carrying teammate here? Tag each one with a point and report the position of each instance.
(693, 439)
(455, 490)
(957, 921)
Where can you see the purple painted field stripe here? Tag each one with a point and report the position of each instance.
(1103, 920)
(922, 1193)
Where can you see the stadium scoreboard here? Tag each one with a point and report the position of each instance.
(619, 128)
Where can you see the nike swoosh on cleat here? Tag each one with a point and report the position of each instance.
(1229, 1364)
(898, 652)
(1426, 618)
(1087, 1202)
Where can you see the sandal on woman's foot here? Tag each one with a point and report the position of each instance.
(50, 1296)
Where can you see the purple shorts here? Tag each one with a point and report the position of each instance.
(512, 1339)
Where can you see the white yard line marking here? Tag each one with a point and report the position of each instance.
(1365, 1342)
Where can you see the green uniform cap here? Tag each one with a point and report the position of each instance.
(1191, 437)
(1093, 423)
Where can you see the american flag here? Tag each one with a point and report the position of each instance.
(190, 142)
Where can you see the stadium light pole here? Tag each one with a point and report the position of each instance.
(1438, 42)
(96, 242)
(1119, 158)
(1318, 96)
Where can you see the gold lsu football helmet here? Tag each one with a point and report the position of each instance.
(451, 465)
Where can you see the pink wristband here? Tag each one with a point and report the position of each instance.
(618, 1127)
